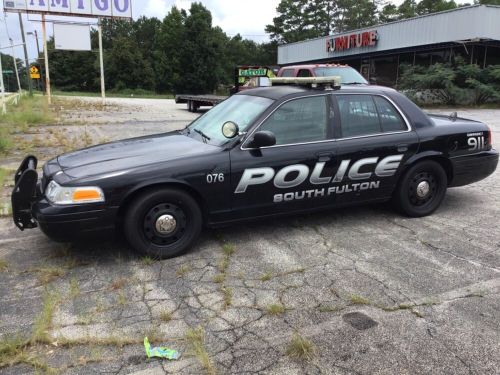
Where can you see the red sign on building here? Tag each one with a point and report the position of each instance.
(345, 42)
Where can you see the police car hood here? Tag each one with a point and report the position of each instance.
(131, 153)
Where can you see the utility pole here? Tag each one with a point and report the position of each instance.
(15, 65)
(101, 61)
(2, 88)
(25, 54)
(46, 53)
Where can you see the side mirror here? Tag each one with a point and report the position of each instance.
(230, 129)
(263, 138)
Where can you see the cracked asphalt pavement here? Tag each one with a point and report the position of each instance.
(373, 292)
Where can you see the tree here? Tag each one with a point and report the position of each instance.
(389, 13)
(433, 6)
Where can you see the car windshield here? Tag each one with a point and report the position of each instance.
(347, 75)
(240, 109)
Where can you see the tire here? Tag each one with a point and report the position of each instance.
(421, 189)
(175, 234)
(190, 106)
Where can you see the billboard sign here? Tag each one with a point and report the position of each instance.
(85, 8)
(72, 37)
(358, 40)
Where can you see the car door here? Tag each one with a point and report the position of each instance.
(374, 140)
(291, 174)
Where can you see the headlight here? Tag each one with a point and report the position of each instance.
(73, 195)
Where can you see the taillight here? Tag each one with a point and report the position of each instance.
(490, 141)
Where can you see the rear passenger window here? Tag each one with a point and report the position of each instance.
(299, 120)
(304, 73)
(287, 73)
(366, 114)
(390, 119)
(358, 115)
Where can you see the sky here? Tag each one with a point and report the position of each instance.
(245, 17)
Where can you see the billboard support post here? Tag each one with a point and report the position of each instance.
(30, 87)
(101, 61)
(2, 88)
(46, 54)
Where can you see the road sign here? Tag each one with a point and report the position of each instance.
(252, 72)
(34, 72)
(7, 71)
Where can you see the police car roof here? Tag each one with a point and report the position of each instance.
(278, 92)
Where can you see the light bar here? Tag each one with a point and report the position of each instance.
(333, 81)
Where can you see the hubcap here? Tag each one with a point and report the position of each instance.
(423, 189)
(166, 224)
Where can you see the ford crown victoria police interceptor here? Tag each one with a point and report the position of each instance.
(267, 151)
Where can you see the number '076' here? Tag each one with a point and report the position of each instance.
(213, 178)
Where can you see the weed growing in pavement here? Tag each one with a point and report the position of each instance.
(275, 309)
(47, 274)
(165, 316)
(300, 348)
(74, 288)
(3, 265)
(359, 300)
(195, 339)
(228, 296)
(219, 278)
(122, 299)
(118, 283)
(147, 260)
(44, 321)
(266, 276)
(325, 309)
(183, 270)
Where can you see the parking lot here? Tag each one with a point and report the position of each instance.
(359, 290)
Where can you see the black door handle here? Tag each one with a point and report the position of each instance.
(402, 148)
(325, 156)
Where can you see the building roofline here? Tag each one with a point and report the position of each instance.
(391, 23)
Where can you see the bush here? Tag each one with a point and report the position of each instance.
(452, 83)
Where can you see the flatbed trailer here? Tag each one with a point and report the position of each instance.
(194, 102)
(245, 77)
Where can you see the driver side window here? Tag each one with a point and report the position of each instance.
(299, 120)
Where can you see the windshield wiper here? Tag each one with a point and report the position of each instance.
(203, 135)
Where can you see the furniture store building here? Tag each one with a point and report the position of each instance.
(378, 52)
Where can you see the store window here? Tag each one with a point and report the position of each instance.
(493, 55)
(423, 59)
(384, 71)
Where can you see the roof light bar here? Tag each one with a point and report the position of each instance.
(327, 82)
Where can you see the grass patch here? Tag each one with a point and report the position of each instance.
(228, 296)
(219, 278)
(147, 260)
(228, 249)
(48, 274)
(359, 300)
(266, 276)
(3, 175)
(195, 339)
(44, 321)
(300, 348)
(122, 299)
(165, 316)
(183, 270)
(74, 288)
(3, 265)
(128, 93)
(275, 309)
(326, 309)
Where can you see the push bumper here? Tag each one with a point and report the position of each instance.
(472, 168)
(30, 209)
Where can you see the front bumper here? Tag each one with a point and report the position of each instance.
(472, 168)
(61, 223)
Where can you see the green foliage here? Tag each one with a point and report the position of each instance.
(453, 82)
(183, 52)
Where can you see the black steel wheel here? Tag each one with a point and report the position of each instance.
(163, 222)
(421, 189)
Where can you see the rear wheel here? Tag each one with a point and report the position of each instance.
(163, 223)
(421, 189)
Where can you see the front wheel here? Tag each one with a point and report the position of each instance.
(163, 223)
(421, 189)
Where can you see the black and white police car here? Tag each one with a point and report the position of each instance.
(268, 151)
